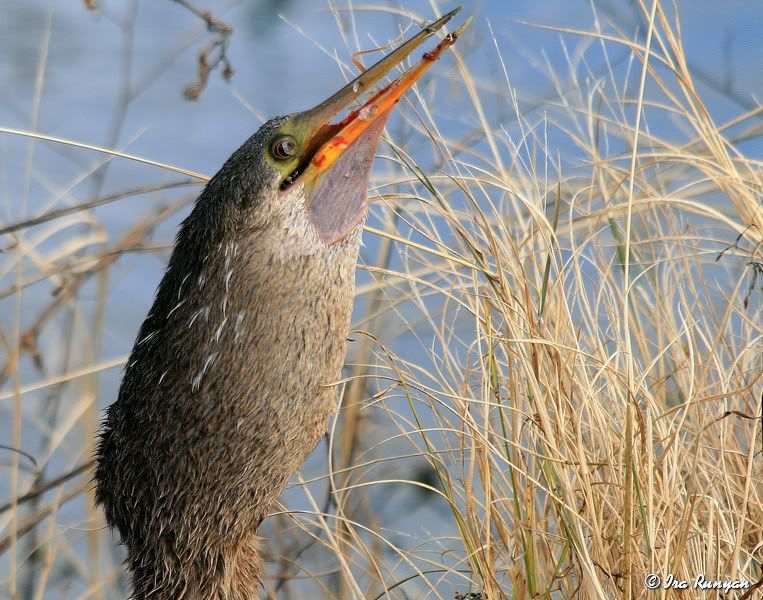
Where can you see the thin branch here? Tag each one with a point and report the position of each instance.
(213, 55)
(46, 486)
(32, 521)
(62, 212)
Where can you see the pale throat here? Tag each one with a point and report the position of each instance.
(301, 238)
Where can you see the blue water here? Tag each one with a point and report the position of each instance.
(277, 70)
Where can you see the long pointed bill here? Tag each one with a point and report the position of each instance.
(377, 107)
(336, 166)
(329, 140)
(331, 107)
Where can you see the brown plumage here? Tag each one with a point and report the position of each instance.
(227, 390)
(231, 379)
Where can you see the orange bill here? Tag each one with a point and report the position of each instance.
(331, 139)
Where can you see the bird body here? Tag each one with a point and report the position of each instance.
(233, 373)
(228, 388)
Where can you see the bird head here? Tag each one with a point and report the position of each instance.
(316, 164)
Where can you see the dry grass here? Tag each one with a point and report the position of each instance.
(557, 362)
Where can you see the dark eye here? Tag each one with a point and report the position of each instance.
(283, 147)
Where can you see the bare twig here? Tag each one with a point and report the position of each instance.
(95, 202)
(46, 486)
(213, 55)
(134, 237)
(26, 455)
(33, 520)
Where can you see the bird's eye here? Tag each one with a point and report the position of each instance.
(284, 147)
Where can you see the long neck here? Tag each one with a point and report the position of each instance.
(214, 574)
(227, 391)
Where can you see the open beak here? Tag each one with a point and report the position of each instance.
(330, 140)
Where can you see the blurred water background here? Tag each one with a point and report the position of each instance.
(284, 54)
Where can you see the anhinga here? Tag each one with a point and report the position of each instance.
(229, 384)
